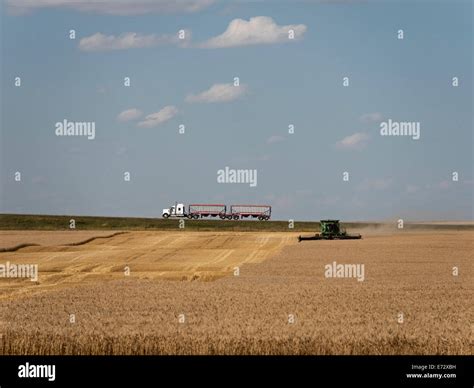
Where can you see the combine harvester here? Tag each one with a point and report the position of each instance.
(330, 230)
(237, 212)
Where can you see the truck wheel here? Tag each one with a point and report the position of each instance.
(166, 215)
(267, 218)
(260, 218)
(196, 216)
(236, 217)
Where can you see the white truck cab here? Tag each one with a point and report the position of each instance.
(177, 210)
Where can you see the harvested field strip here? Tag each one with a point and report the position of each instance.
(148, 255)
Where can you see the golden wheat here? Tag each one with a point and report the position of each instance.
(409, 274)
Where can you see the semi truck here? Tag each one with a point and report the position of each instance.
(178, 210)
(196, 210)
(236, 212)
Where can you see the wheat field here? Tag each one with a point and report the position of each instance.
(182, 295)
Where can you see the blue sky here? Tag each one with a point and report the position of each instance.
(283, 82)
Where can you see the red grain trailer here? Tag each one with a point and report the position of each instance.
(201, 210)
(262, 212)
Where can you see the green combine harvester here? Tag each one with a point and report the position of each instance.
(331, 230)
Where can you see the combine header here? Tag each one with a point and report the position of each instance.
(330, 230)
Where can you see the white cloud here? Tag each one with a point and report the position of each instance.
(128, 40)
(357, 141)
(157, 118)
(275, 139)
(257, 30)
(129, 114)
(219, 93)
(368, 118)
(111, 7)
